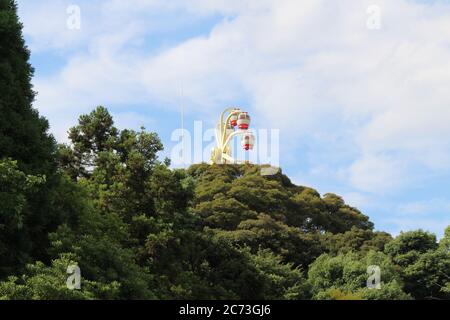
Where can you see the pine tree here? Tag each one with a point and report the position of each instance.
(23, 133)
(23, 139)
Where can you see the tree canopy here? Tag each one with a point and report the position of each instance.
(137, 229)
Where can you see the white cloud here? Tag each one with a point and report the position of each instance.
(377, 173)
(418, 208)
(309, 67)
(132, 120)
(357, 200)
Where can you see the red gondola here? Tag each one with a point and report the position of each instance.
(234, 120)
(243, 121)
(248, 141)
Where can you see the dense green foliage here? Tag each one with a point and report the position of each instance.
(29, 179)
(138, 229)
(19, 121)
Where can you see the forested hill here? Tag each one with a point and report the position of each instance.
(138, 229)
(239, 204)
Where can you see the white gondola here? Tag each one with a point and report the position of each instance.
(226, 131)
(243, 121)
(234, 120)
(248, 141)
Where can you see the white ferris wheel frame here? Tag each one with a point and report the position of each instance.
(222, 154)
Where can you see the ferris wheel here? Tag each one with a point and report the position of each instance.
(233, 122)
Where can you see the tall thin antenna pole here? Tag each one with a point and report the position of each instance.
(182, 125)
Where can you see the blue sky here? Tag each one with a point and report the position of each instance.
(363, 112)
